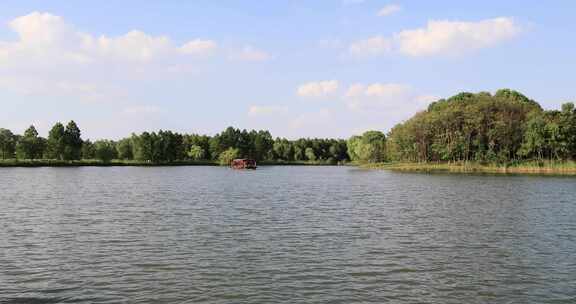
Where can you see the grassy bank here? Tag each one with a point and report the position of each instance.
(299, 163)
(527, 167)
(120, 163)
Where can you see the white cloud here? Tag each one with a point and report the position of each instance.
(50, 57)
(318, 88)
(199, 47)
(456, 37)
(373, 46)
(266, 110)
(40, 28)
(48, 39)
(388, 10)
(250, 53)
(440, 38)
(133, 46)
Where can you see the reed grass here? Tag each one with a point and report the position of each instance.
(524, 167)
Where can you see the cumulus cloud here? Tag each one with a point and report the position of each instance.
(388, 10)
(133, 46)
(50, 57)
(373, 46)
(318, 88)
(43, 37)
(250, 53)
(456, 37)
(440, 37)
(199, 47)
(266, 110)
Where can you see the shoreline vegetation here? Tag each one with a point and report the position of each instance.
(528, 168)
(504, 132)
(35, 163)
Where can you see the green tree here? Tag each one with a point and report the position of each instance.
(196, 152)
(105, 150)
(283, 149)
(7, 144)
(226, 157)
(353, 145)
(55, 143)
(309, 153)
(30, 145)
(568, 126)
(464, 127)
(370, 147)
(88, 150)
(72, 142)
(262, 145)
(202, 141)
(125, 149)
(143, 146)
(534, 137)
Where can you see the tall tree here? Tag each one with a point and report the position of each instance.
(72, 142)
(55, 143)
(88, 150)
(125, 149)
(7, 144)
(30, 145)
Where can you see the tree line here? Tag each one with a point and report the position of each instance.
(490, 128)
(65, 143)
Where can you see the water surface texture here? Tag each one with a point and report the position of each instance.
(284, 235)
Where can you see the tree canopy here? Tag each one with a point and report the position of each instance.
(502, 127)
(65, 143)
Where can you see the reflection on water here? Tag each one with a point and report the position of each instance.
(284, 235)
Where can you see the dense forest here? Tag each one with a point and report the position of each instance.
(501, 128)
(65, 143)
(498, 128)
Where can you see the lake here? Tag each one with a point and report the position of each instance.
(284, 235)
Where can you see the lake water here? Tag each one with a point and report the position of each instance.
(284, 235)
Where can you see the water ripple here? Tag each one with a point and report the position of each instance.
(283, 235)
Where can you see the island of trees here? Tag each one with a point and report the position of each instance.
(501, 129)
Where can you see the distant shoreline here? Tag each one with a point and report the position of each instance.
(523, 168)
(528, 168)
(13, 163)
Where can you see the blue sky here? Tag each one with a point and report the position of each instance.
(297, 68)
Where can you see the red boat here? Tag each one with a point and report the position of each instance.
(243, 163)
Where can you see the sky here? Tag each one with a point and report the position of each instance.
(323, 68)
